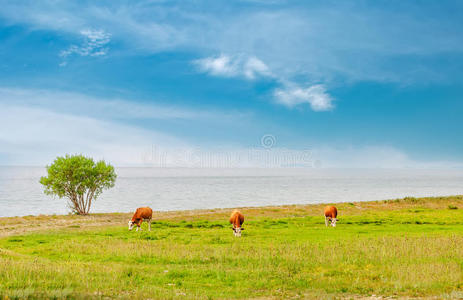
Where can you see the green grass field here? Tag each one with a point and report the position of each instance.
(409, 247)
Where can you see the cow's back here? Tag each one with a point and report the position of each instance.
(143, 213)
(236, 218)
(331, 212)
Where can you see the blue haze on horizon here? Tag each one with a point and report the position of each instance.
(358, 83)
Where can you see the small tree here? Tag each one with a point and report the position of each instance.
(79, 179)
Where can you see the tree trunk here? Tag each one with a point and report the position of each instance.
(81, 204)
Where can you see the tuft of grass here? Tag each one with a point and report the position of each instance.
(14, 240)
(452, 206)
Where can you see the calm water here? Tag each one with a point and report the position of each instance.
(178, 189)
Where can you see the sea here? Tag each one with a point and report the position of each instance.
(166, 189)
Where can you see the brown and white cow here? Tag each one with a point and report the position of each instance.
(237, 219)
(330, 215)
(140, 215)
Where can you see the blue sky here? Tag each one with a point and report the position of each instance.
(355, 83)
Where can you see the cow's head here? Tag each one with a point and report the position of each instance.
(131, 223)
(237, 231)
(333, 222)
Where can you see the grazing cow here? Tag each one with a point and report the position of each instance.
(237, 219)
(140, 215)
(330, 215)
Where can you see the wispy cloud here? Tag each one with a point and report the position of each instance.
(42, 124)
(373, 157)
(36, 136)
(289, 95)
(110, 108)
(95, 43)
(315, 95)
(249, 67)
(351, 41)
(39, 125)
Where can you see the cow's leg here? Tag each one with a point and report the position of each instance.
(149, 224)
(326, 221)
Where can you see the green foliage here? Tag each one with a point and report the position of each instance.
(79, 179)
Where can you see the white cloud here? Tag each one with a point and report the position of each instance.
(38, 125)
(321, 43)
(94, 44)
(255, 67)
(36, 136)
(104, 108)
(249, 67)
(315, 95)
(219, 66)
(353, 42)
(374, 156)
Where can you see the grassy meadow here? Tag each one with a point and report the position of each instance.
(401, 248)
